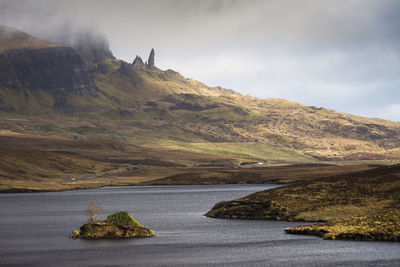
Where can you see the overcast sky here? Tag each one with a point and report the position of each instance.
(340, 54)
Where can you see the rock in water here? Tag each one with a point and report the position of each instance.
(105, 230)
(150, 62)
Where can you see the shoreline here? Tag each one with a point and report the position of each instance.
(27, 191)
(356, 206)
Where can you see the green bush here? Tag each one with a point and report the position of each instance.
(123, 218)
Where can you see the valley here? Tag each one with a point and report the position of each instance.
(76, 117)
(33, 163)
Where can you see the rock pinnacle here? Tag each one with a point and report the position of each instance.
(138, 63)
(150, 62)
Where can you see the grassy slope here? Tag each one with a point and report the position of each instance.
(150, 105)
(254, 174)
(362, 205)
(267, 152)
(182, 121)
(33, 163)
(184, 112)
(34, 170)
(384, 226)
(12, 39)
(163, 109)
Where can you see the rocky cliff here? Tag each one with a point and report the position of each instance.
(60, 70)
(39, 76)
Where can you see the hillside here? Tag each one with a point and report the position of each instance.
(34, 163)
(360, 205)
(11, 38)
(59, 91)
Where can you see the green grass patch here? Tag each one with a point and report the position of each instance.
(122, 218)
(245, 149)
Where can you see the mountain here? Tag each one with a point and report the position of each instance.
(11, 38)
(57, 90)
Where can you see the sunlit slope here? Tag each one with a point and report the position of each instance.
(168, 103)
(358, 206)
(11, 38)
(60, 92)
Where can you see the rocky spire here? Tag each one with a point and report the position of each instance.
(138, 63)
(150, 62)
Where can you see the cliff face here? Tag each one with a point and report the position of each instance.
(59, 70)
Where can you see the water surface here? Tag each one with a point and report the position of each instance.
(34, 230)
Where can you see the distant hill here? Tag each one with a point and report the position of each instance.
(11, 38)
(48, 89)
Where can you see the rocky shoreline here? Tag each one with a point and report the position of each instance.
(357, 206)
(104, 230)
(384, 226)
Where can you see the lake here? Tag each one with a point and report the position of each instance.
(34, 230)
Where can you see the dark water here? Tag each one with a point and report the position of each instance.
(34, 230)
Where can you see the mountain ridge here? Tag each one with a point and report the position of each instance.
(11, 38)
(139, 103)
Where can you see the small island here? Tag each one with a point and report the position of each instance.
(117, 225)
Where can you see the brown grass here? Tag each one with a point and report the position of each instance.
(356, 203)
(272, 174)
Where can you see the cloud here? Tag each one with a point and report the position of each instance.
(392, 111)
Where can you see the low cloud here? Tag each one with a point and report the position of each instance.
(392, 111)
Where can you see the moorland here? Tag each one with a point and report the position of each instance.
(74, 117)
(357, 206)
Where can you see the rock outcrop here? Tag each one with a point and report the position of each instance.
(125, 69)
(105, 230)
(138, 63)
(58, 70)
(151, 62)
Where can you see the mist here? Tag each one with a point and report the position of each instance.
(341, 54)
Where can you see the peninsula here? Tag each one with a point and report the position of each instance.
(357, 206)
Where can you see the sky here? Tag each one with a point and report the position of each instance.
(338, 54)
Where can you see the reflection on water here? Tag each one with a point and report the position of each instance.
(34, 230)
